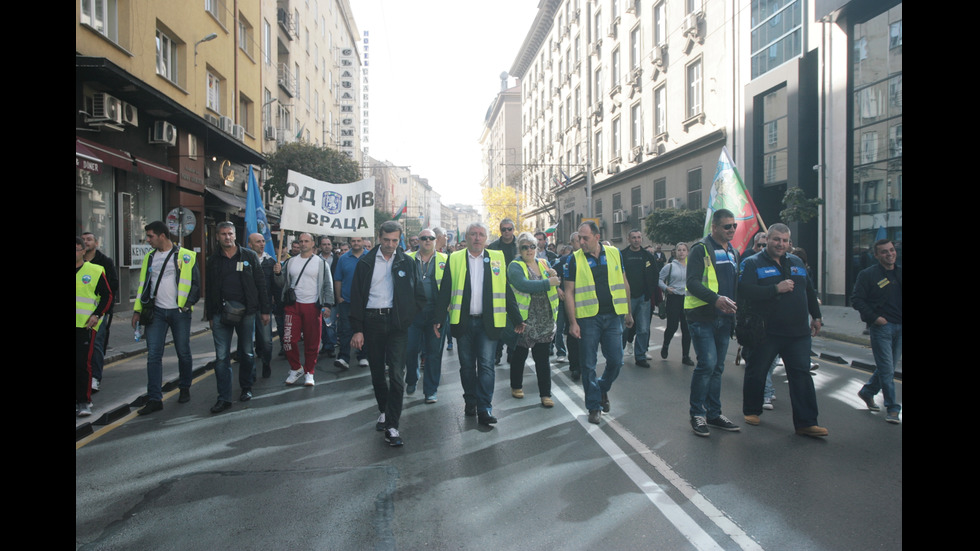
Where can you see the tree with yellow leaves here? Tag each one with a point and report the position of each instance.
(502, 202)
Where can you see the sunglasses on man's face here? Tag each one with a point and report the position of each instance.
(729, 226)
(506, 229)
(427, 238)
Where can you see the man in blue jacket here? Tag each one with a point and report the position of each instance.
(776, 285)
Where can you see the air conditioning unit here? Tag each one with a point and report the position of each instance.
(105, 108)
(631, 8)
(690, 24)
(130, 115)
(611, 32)
(163, 133)
(212, 119)
(597, 109)
(270, 133)
(225, 124)
(238, 132)
(659, 52)
(612, 168)
(675, 203)
(620, 217)
(594, 49)
(644, 211)
(555, 90)
(637, 152)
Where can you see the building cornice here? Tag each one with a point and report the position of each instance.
(536, 35)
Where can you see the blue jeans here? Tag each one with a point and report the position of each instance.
(795, 352)
(421, 338)
(222, 334)
(328, 328)
(640, 307)
(263, 340)
(156, 337)
(770, 391)
(476, 364)
(345, 332)
(606, 331)
(886, 344)
(710, 341)
(560, 328)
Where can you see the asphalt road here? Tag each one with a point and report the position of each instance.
(304, 468)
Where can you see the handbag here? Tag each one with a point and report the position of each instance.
(232, 312)
(750, 329)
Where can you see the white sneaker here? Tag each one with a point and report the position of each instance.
(340, 363)
(309, 380)
(84, 410)
(95, 385)
(562, 359)
(629, 349)
(363, 362)
(294, 375)
(767, 403)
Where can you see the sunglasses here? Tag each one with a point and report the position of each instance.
(506, 229)
(527, 247)
(729, 226)
(427, 238)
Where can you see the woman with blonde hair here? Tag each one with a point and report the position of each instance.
(673, 282)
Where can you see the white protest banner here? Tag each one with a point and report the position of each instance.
(340, 210)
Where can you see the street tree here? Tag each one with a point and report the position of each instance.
(321, 163)
(799, 207)
(502, 202)
(675, 225)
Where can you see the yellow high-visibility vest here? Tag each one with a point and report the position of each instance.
(494, 269)
(86, 300)
(586, 300)
(440, 265)
(524, 299)
(185, 263)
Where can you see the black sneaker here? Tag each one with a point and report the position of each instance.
(469, 411)
(663, 352)
(605, 403)
(642, 363)
(700, 426)
(687, 361)
(246, 396)
(722, 422)
(393, 438)
(576, 374)
(220, 406)
(185, 396)
(150, 407)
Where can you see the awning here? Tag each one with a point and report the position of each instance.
(229, 199)
(126, 161)
(85, 159)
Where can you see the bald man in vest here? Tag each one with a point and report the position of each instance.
(597, 302)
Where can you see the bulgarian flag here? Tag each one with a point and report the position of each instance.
(728, 192)
(404, 210)
(551, 231)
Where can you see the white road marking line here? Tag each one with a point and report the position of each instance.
(687, 526)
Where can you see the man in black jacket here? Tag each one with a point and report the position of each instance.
(385, 296)
(236, 292)
(777, 286)
(878, 297)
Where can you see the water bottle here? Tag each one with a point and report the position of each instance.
(138, 335)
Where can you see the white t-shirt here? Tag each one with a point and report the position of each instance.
(306, 288)
(167, 293)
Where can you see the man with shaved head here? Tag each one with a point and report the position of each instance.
(263, 331)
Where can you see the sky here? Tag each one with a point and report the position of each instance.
(434, 69)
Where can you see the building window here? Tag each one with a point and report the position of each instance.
(214, 92)
(895, 35)
(777, 33)
(774, 127)
(597, 29)
(660, 24)
(245, 38)
(660, 193)
(617, 142)
(615, 70)
(636, 207)
(597, 153)
(217, 10)
(694, 189)
(660, 110)
(694, 89)
(598, 84)
(101, 16)
(772, 133)
(636, 125)
(167, 57)
(598, 208)
(617, 200)
(869, 147)
(267, 42)
(635, 54)
(245, 115)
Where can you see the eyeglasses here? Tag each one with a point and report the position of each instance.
(729, 226)
(527, 247)
(506, 229)
(427, 238)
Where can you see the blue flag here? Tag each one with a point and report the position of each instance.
(255, 220)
